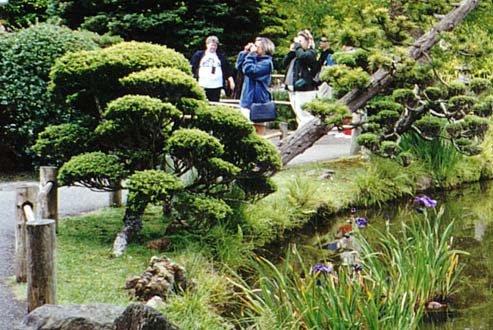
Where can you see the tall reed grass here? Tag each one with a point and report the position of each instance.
(399, 273)
(439, 155)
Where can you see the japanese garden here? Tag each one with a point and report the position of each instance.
(217, 230)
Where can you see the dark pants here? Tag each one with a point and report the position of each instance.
(213, 94)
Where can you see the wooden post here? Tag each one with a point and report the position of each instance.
(283, 127)
(41, 262)
(116, 198)
(24, 196)
(49, 193)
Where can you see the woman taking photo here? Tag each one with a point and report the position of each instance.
(301, 63)
(255, 61)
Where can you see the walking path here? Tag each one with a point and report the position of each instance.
(76, 200)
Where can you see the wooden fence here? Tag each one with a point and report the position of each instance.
(35, 239)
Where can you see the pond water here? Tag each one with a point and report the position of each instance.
(471, 209)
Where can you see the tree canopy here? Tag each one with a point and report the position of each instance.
(180, 25)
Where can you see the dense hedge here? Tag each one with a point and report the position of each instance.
(26, 57)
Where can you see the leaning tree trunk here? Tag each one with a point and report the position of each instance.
(132, 223)
(305, 137)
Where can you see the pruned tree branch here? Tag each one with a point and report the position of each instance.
(307, 135)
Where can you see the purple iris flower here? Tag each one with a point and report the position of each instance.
(353, 210)
(425, 201)
(321, 268)
(387, 218)
(358, 267)
(361, 222)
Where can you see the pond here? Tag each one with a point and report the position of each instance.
(471, 209)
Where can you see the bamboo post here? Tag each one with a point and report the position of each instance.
(49, 193)
(25, 200)
(41, 260)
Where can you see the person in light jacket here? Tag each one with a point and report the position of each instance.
(255, 61)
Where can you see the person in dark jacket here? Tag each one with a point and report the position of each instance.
(302, 66)
(325, 50)
(212, 69)
(255, 61)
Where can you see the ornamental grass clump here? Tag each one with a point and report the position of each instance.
(387, 288)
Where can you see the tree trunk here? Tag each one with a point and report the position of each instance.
(304, 138)
(132, 222)
(132, 225)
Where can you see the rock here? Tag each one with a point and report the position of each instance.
(72, 317)
(156, 302)
(142, 317)
(159, 279)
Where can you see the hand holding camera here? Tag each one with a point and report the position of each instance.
(248, 47)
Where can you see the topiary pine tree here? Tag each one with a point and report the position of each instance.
(152, 132)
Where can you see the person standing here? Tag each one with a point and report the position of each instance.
(325, 59)
(301, 63)
(255, 61)
(212, 69)
(326, 52)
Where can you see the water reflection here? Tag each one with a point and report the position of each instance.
(471, 208)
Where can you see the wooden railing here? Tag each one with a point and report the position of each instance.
(35, 239)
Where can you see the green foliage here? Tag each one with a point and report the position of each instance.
(22, 13)
(88, 80)
(159, 131)
(438, 155)
(330, 111)
(202, 212)
(385, 294)
(384, 181)
(94, 170)
(154, 185)
(168, 84)
(58, 143)
(344, 78)
(180, 25)
(430, 127)
(25, 60)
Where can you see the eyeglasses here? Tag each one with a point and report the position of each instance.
(323, 40)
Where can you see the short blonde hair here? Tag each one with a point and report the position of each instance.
(308, 36)
(213, 39)
(267, 45)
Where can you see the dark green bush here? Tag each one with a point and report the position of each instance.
(26, 57)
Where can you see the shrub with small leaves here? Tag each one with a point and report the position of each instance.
(154, 186)
(26, 57)
(94, 170)
(58, 143)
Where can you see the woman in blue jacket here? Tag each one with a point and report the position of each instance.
(255, 61)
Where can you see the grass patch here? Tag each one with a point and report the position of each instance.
(87, 273)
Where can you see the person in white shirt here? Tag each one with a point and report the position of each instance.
(212, 70)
